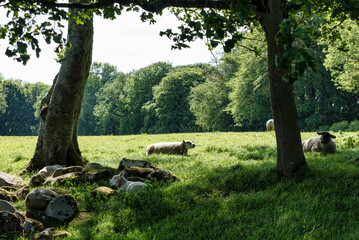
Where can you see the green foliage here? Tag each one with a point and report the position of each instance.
(3, 104)
(345, 126)
(171, 102)
(18, 117)
(99, 76)
(228, 185)
(354, 126)
(208, 102)
(339, 126)
(249, 96)
(341, 57)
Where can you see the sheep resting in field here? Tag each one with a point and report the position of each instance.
(324, 143)
(270, 125)
(179, 148)
(128, 186)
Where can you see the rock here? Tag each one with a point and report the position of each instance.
(126, 163)
(162, 175)
(21, 215)
(48, 170)
(38, 199)
(62, 171)
(9, 222)
(31, 225)
(8, 196)
(50, 234)
(138, 172)
(37, 180)
(63, 208)
(39, 215)
(10, 180)
(106, 191)
(93, 166)
(6, 206)
(22, 192)
(60, 180)
(97, 175)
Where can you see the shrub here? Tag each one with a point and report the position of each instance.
(354, 126)
(340, 126)
(323, 128)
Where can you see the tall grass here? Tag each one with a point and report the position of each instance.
(228, 190)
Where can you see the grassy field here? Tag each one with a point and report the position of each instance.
(228, 190)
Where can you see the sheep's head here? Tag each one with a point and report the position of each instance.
(188, 144)
(118, 180)
(325, 137)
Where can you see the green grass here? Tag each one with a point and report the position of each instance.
(228, 190)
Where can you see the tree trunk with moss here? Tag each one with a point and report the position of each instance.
(60, 108)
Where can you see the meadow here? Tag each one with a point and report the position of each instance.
(228, 189)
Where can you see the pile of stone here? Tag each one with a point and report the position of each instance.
(48, 207)
(142, 170)
(57, 175)
(44, 208)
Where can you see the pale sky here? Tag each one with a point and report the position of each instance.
(126, 43)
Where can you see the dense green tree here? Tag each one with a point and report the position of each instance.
(319, 102)
(100, 74)
(19, 115)
(249, 96)
(171, 103)
(342, 57)
(3, 104)
(208, 103)
(111, 109)
(144, 80)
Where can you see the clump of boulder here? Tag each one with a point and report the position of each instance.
(48, 206)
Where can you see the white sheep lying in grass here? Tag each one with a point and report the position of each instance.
(270, 125)
(180, 148)
(129, 186)
(324, 144)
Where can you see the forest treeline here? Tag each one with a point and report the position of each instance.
(229, 95)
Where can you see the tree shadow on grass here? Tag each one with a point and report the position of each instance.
(242, 201)
(246, 152)
(159, 210)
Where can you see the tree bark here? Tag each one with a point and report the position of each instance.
(60, 108)
(290, 156)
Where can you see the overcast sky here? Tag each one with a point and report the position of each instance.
(127, 43)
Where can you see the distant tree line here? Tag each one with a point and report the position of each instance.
(231, 95)
(19, 107)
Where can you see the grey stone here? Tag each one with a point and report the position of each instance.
(10, 180)
(63, 208)
(40, 198)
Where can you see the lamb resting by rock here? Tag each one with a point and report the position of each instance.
(180, 148)
(129, 186)
(324, 143)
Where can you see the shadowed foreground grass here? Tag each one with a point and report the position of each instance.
(228, 190)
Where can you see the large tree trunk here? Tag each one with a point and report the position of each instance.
(290, 156)
(60, 108)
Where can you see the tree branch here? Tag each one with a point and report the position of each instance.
(146, 5)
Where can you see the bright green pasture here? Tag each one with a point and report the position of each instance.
(228, 189)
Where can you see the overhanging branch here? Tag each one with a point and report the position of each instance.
(147, 5)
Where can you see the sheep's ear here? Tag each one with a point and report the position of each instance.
(121, 173)
(332, 136)
(320, 133)
(183, 141)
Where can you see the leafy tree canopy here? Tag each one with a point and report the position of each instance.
(220, 21)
